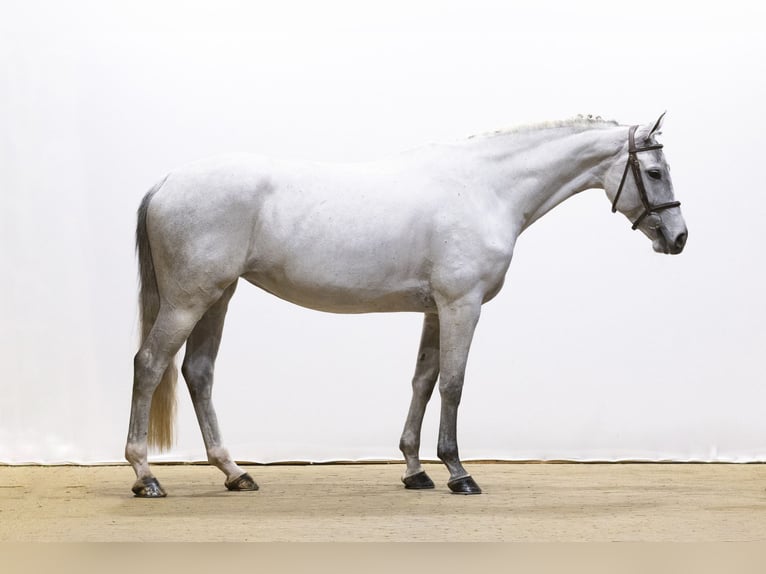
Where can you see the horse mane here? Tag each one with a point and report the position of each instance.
(579, 122)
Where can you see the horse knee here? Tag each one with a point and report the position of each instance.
(451, 390)
(423, 384)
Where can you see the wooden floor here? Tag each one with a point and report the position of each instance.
(366, 502)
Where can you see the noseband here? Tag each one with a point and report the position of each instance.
(635, 167)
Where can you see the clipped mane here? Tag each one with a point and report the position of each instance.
(579, 122)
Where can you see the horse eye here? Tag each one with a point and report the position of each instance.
(655, 173)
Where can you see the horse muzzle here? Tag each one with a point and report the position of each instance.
(670, 243)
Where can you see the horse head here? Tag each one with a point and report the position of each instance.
(640, 187)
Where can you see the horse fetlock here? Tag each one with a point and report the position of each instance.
(136, 453)
(409, 444)
(448, 454)
(218, 456)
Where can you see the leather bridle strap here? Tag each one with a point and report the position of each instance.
(635, 167)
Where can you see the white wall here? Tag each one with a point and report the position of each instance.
(596, 349)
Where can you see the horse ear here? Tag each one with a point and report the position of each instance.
(657, 125)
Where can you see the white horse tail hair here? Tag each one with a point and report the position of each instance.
(163, 410)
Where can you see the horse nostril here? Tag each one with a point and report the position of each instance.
(681, 240)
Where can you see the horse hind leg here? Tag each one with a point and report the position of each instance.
(197, 368)
(423, 382)
(171, 328)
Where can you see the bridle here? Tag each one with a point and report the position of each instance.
(635, 167)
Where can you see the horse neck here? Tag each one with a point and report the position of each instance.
(535, 171)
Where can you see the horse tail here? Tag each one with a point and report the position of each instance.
(163, 409)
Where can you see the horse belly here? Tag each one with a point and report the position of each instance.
(365, 263)
(333, 298)
(327, 276)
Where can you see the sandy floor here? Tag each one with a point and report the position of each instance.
(522, 502)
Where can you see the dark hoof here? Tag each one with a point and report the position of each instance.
(464, 485)
(419, 481)
(148, 487)
(244, 482)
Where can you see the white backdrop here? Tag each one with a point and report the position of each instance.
(596, 349)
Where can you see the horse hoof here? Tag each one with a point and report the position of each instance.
(464, 485)
(244, 482)
(419, 481)
(148, 487)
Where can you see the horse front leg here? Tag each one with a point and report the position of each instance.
(423, 382)
(457, 324)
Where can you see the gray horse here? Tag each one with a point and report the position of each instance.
(430, 231)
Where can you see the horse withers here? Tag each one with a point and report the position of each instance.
(430, 231)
